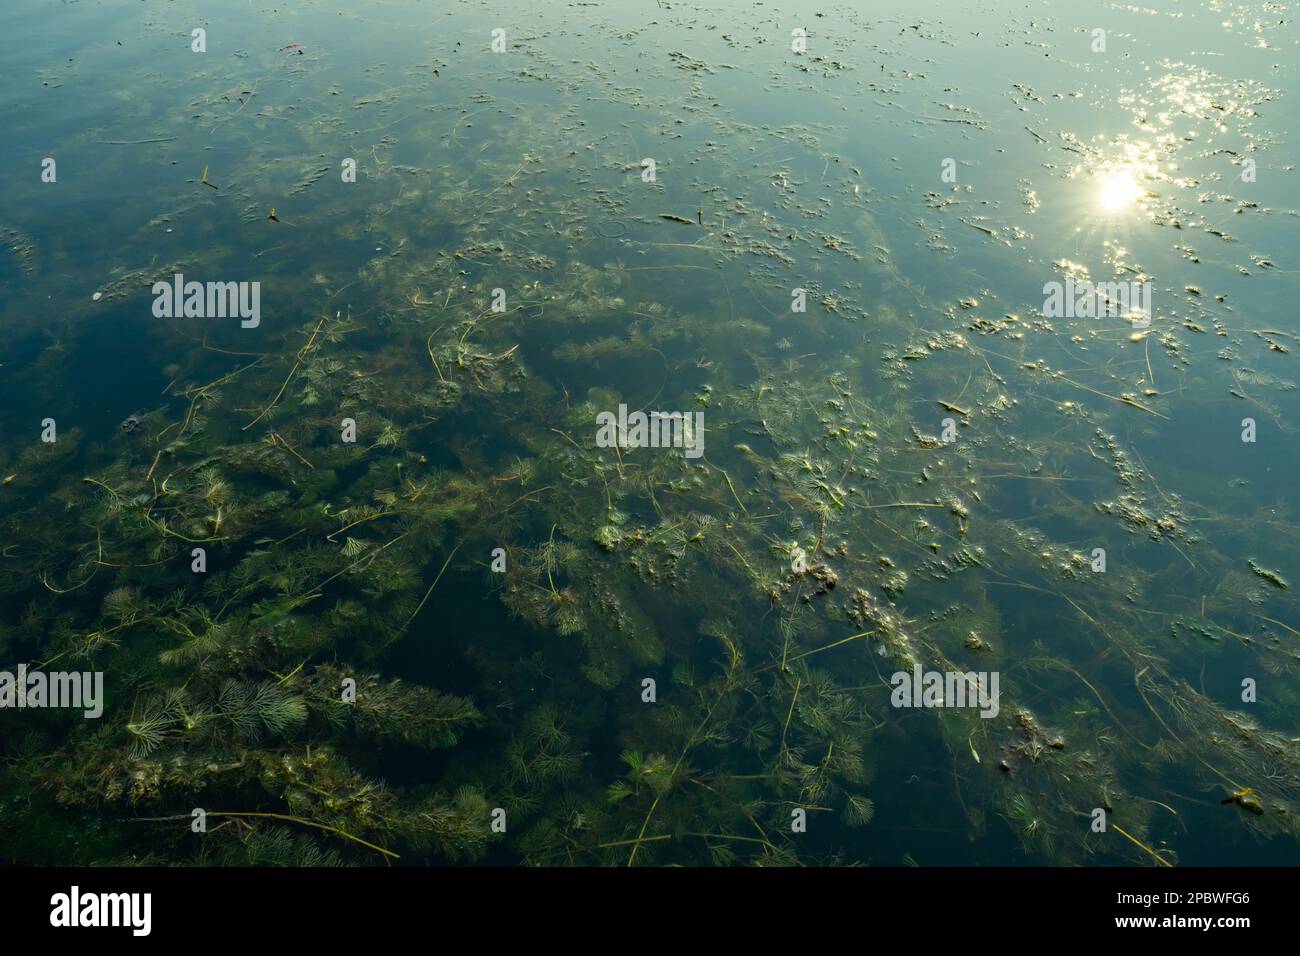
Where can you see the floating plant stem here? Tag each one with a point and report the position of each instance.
(419, 607)
(1134, 840)
(302, 353)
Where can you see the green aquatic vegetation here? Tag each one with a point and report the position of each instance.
(269, 846)
(379, 710)
(830, 535)
(809, 741)
(541, 753)
(542, 587)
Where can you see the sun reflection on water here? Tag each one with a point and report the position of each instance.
(1120, 183)
(1118, 190)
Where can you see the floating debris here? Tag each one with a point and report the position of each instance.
(1272, 577)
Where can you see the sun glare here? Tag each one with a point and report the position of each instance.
(1118, 191)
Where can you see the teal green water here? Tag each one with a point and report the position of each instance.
(566, 653)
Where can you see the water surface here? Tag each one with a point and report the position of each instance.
(920, 469)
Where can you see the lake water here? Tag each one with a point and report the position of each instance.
(971, 327)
